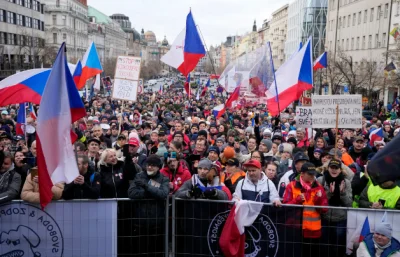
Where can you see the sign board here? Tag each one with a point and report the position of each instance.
(125, 89)
(128, 67)
(67, 229)
(324, 111)
(303, 117)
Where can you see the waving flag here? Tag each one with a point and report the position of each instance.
(25, 86)
(91, 65)
(203, 92)
(218, 111)
(321, 62)
(233, 97)
(187, 49)
(60, 106)
(187, 85)
(97, 83)
(212, 96)
(198, 94)
(365, 230)
(32, 112)
(291, 80)
(77, 72)
(243, 214)
(160, 90)
(375, 135)
(21, 119)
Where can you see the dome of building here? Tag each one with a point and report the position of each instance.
(149, 36)
(165, 42)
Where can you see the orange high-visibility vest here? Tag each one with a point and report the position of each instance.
(311, 218)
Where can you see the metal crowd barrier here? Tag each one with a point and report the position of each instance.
(174, 227)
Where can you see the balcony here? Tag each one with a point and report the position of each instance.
(65, 9)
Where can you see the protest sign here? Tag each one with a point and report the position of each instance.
(128, 67)
(303, 117)
(324, 111)
(125, 89)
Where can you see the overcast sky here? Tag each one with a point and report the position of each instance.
(217, 19)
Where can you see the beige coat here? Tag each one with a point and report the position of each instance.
(30, 191)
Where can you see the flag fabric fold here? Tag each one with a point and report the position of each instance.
(77, 72)
(321, 62)
(242, 214)
(365, 230)
(286, 89)
(91, 65)
(21, 119)
(375, 135)
(59, 107)
(218, 110)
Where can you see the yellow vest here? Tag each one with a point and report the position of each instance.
(391, 196)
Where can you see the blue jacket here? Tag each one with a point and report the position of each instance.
(394, 247)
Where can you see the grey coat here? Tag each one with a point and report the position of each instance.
(335, 215)
(9, 188)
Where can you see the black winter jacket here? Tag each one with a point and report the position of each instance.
(113, 182)
(88, 190)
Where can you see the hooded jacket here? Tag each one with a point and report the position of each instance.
(263, 185)
(178, 177)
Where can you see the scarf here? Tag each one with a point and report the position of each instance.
(382, 247)
(305, 185)
(335, 199)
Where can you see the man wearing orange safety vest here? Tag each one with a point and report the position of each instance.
(305, 190)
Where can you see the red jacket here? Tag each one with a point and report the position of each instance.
(181, 176)
(185, 138)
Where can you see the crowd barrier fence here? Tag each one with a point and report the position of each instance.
(174, 227)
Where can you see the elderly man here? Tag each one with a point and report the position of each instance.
(256, 186)
(380, 243)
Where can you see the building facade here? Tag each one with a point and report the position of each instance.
(306, 18)
(67, 21)
(133, 41)
(22, 36)
(277, 34)
(114, 37)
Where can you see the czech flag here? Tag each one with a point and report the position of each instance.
(321, 62)
(375, 135)
(21, 119)
(32, 112)
(91, 65)
(187, 85)
(78, 72)
(25, 86)
(203, 93)
(60, 106)
(186, 50)
(218, 111)
(233, 97)
(212, 96)
(160, 90)
(365, 230)
(291, 80)
(243, 214)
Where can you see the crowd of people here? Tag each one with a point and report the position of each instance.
(170, 145)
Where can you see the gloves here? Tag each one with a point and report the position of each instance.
(141, 183)
(210, 193)
(195, 192)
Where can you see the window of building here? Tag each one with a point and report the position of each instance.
(363, 43)
(55, 38)
(35, 24)
(28, 41)
(365, 16)
(342, 44)
(65, 37)
(369, 41)
(19, 20)
(384, 40)
(28, 22)
(354, 19)
(359, 18)
(10, 17)
(352, 43)
(34, 5)
(377, 41)
(64, 20)
(10, 39)
(2, 15)
(348, 20)
(19, 2)
(28, 4)
(386, 11)
(3, 38)
(344, 21)
(22, 40)
(347, 45)
(54, 19)
(378, 15)
(371, 18)
(38, 8)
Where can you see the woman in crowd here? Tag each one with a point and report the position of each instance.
(113, 181)
(271, 170)
(338, 192)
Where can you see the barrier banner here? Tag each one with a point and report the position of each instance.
(275, 232)
(85, 228)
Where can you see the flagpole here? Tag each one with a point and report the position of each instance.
(212, 64)
(276, 83)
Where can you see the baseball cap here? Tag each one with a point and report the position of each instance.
(337, 151)
(300, 156)
(161, 132)
(309, 168)
(252, 163)
(359, 138)
(336, 163)
(5, 112)
(233, 162)
(134, 141)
